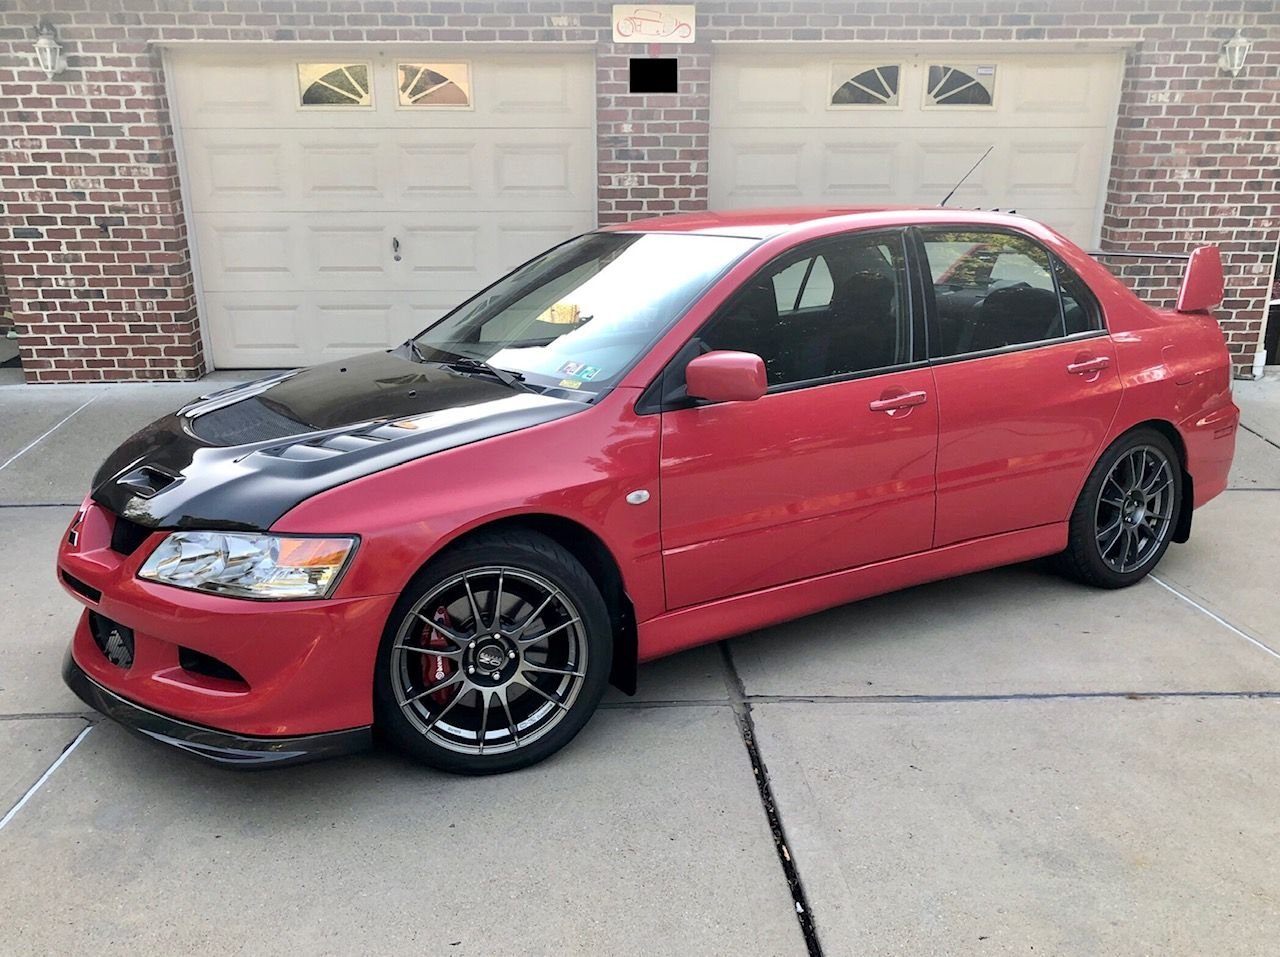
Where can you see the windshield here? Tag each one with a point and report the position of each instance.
(577, 317)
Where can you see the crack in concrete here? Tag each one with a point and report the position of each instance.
(746, 727)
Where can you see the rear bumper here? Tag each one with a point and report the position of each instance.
(1210, 440)
(218, 747)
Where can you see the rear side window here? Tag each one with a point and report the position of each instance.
(993, 290)
(1080, 311)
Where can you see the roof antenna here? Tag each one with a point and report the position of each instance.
(967, 175)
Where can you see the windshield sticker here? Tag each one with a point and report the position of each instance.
(571, 383)
(589, 373)
(572, 368)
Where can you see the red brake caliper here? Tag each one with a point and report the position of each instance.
(437, 668)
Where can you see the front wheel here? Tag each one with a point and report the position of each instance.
(1123, 522)
(495, 656)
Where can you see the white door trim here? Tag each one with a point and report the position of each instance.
(193, 251)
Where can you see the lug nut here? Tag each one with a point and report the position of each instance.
(471, 670)
(511, 654)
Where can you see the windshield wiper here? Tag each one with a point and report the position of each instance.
(514, 380)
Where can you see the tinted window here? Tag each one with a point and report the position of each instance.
(992, 290)
(1079, 311)
(837, 309)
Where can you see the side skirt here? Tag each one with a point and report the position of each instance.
(689, 627)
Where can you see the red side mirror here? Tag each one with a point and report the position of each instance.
(1202, 284)
(726, 377)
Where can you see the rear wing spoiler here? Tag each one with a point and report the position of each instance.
(1202, 283)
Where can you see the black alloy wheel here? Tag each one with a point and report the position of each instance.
(1124, 520)
(495, 657)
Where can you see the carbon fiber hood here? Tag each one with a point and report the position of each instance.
(241, 458)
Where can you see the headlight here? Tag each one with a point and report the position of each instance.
(249, 565)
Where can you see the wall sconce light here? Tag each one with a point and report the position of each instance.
(49, 50)
(1231, 60)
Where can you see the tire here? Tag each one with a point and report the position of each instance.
(1125, 518)
(483, 699)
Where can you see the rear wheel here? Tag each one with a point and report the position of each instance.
(1123, 522)
(495, 656)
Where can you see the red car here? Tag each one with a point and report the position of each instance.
(650, 437)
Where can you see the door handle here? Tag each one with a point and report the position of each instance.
(1088, 366)
(893, 403)
(395, 248)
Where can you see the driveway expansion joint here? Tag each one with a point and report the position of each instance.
(48, 773)
(1269, 441)
(746, 727)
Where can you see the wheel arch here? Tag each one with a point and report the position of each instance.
(1182, 529)
(586, 546)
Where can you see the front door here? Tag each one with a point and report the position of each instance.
(1026, 380)
(834, 466)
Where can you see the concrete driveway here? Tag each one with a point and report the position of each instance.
(1005, 763)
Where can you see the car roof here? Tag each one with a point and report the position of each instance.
(767, 223)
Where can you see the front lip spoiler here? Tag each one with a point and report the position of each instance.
(219, 747)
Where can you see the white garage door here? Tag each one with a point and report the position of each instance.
(339, 202)
(890, 129)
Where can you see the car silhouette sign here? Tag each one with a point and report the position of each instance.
(653, 23)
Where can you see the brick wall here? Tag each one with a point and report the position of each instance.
(6, 320)
(93, 238)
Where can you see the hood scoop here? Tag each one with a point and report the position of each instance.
(244, 423)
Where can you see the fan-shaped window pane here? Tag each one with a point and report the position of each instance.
(434, 84)
(952, 86)
(877, 86)
(334, 84)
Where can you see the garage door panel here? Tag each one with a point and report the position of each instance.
(778, 137)
(768, 89)
(519, 244)
(391, 169)
(507, 170)
(248, 331)
(451, 253)
(531, 91)
(225, 90)
(283, 329)
(1064, 90)
(866, 171)
(759, 170)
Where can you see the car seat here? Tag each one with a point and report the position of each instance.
(1015, 314)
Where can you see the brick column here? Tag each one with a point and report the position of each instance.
(92, 235)
(1197, 160)
(652, 149)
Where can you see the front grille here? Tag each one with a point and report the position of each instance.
(127, 536)
(114, 640)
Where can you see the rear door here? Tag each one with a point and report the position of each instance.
(1026, 380)
(834, 466)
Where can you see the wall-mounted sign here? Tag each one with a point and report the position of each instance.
(653, 23)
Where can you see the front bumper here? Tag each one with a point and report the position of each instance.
(220, 747)
(280, 670)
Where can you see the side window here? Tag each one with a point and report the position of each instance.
(1079, 310)
(838, 309)
(991, 290)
